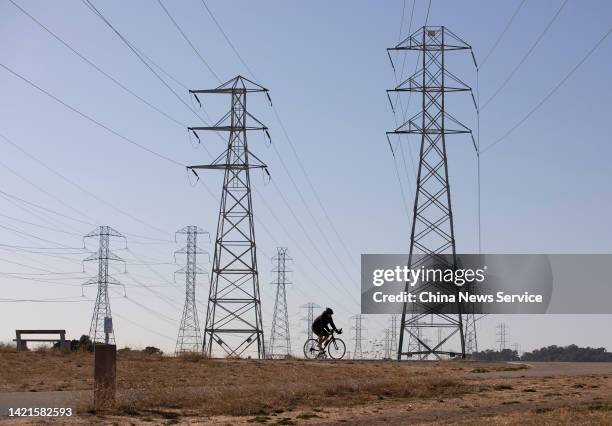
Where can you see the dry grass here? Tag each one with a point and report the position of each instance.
(168, 389)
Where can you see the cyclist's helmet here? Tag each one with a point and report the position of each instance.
(329, 311)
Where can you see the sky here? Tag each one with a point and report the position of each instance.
(544, 187)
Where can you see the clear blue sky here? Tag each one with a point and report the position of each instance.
(545, 188)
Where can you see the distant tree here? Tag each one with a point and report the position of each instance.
(152, 350)
(571, 353)
(85, 344)
(491, 355)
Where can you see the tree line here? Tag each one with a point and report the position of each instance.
(571, 353)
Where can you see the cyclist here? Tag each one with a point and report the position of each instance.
(320, 327)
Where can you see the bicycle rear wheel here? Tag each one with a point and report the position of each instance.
(310, 349)
(336, 349)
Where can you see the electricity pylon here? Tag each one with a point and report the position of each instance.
(280, 341)
(432, 234)
(358, 352)
(471, 341)
(393, 342)
(233, 315)
(310, 306)
(101, 328)
(500, 332)
(189, 336)
(387, 344)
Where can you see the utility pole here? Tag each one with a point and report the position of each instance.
(189, 336)
(101, 328)
(501, 335)
(432, 239)
(310, 307)
(280, 342)
(233, 316)
(358, 352)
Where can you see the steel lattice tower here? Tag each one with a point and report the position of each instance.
(393, 333)
(432, 233)
(358, 352)
(387, 344)
(500, 332)
(310, 306)
(101, 328)
(233, 316)
(471, 342)
(280, 341)
(189, 336)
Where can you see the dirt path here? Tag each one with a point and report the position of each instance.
(544, 369)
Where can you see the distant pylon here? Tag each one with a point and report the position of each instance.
(471, 342)
(387, 343)
(500, 332)
(358, 352)
(101, 329)
(394, 329)
(280, 341)
(233, 316)
(189, 336)
(310, 306)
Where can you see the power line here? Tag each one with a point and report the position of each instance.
(228, 40)
(552, 92)
(189, 41)
(141, 57)
(96, 122)
(501, 36)
(524, 58)
(96, 67)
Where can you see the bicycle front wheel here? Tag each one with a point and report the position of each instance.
(336, 349)
(310, 349)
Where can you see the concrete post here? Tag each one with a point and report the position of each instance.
(105, 375)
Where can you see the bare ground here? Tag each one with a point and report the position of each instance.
(168, 390)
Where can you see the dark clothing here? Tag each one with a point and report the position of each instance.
(320, 325)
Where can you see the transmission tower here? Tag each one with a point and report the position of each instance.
(387, 344)
(189, 336)
(500, 332)
(471, 342)
(358, 352)
(393, 334)
(101, 328)
(310, 306)
(280, 342)
(432, 233)
(233, 316)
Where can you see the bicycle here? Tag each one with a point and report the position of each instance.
(335, 348)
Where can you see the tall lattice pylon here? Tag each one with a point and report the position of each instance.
(310, 307)
(394, 330)
(432, 240)
(280, 340)
(101, 328)
(233, 316)
(189, 336)
(387, 344)
(358, 327)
